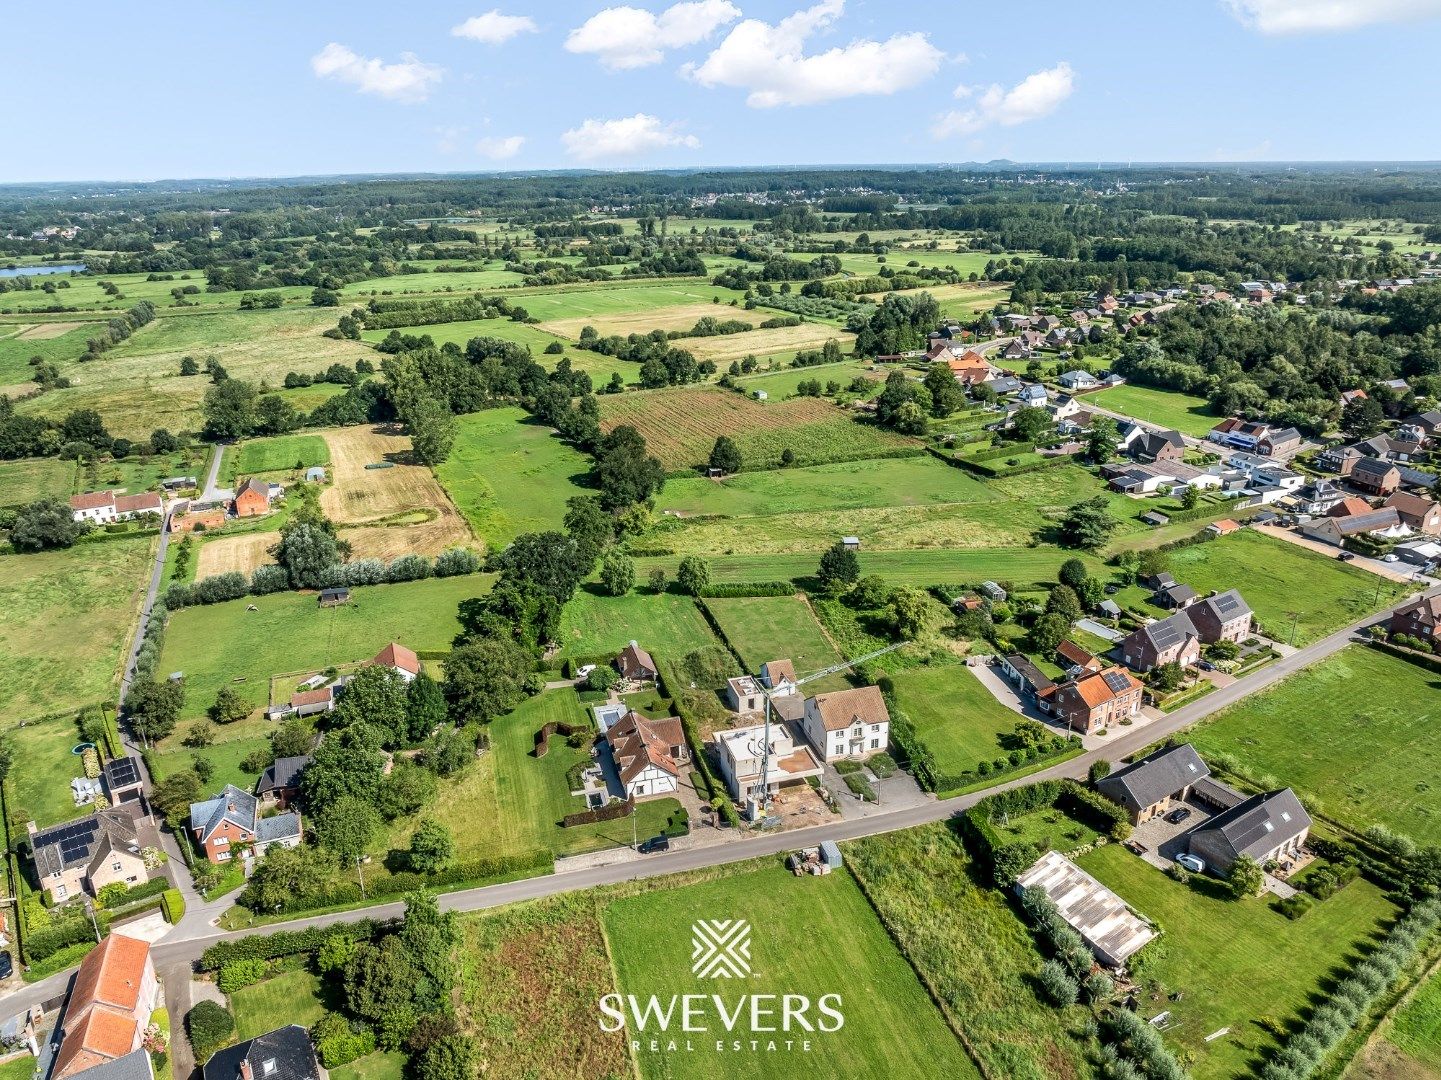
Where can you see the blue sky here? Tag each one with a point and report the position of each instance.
(106, 91)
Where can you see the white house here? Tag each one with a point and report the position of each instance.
(848, 723)
(1078, 380)
(104, 507)
(1033, 394)
(744, 695)
(741, 752)
(400, 660)
(648, 754)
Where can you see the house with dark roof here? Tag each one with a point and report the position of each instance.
(1172, 640)
(232, 820)
(1176, 597)
(634, 663)
(648, 754)
(1223, 617)
(279, 784)
(1152, 446)
(1271, 826)
(111, 1001)
(123, 782)
(1375, 476)
(1421, 618)
(1157, 783)
(847, 723)
(1098, 700)
(1278, 441)
(1030, 681)
(89, 853)
(283, 1054)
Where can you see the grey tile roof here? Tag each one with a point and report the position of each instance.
(1226, 606)
(283, 773)
(232, 805)
(1261, 823)
(1155, 777)
(282, 1054)
(132, 1066)
(1164, 633)
(76, 843)
(279, 827)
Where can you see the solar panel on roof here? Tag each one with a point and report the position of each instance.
(1116, 681)
(1227, 602)
(122, 772)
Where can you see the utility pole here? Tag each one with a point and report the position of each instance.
(361, 875)
(1295, 618)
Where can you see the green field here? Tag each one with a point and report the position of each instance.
(1416, 1029)
(670, 624)
(22, 482)
(954, 714)
(41, 785)
(910, 481)
(381, 1065)
(1280, 581)
(783, 383)
(51, 341)
(508, 475)
(813, 936)
(224, 643)
(283, 453)
(1186, 413)
(1352, 732)
(1235, 961)
(68, 616)
(462, 282)
(765, 628)
(293, 997)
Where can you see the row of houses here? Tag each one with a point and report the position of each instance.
(1091, 697)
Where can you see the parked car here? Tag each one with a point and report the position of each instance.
(1345, 556)
(1112, 589)
(7, 965)
(1191, 863)
(1390, 556)
(1205, 665)
(654, 844)
(1178, 815)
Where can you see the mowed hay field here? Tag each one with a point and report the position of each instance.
(243, 553)
(68, 615)
(810, 936)
(22, 482)
(678, 317)
(727, 347)
(680, 426)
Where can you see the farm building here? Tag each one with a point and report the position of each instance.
(111, 1002)
(400, 660)
(1107, 924)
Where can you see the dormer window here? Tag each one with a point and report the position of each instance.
(268, 1067)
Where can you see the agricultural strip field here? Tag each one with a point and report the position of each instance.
(680, 427)
(810, 935)
(1280, 580)
(954, 714)
(642, 321)
(765, 628)
(783, 383)
(1413, 1036)
(669, 625)
(283, 453)
(1236, 961)
(723, 348)
(463, 283)
(85, 293)
(68, 616)
(1186, 413)
(137, 386)
(1353, 732)
(222, 644)
(24, 481)
(53, 342)
(508, 474)
(909, 481)
(595, 305)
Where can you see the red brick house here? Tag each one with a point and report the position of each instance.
(1420, 618)
(1166, 641)
(1416, 511)
(1099, 700)
(253, 498)
(1376, 476)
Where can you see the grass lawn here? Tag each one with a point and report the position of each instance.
(911, 481)
(1187, 413)
(22, 482)
(508, 474)
(283, 453)
(670, 624)
(1280, 579)
(813, 936)
(293, 997)
(1416, 1029)
(68, 615)
(381, 1065)
(954, 714)
(1352, 732)
(764, 628)
(226, 644)
(21, 1068)
(41, 784)
(1235, 961)
(1049, 830)
(224, 757)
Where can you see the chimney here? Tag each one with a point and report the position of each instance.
(245, 1071)
(31, 828)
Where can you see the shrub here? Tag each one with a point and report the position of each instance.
(239, 974)
(339, 1042)
(1293, 907)
(210, 1027)
(172, 905)
(1058, 984)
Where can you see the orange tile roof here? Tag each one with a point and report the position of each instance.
(838, 710)
(92, 500)
(312, 697)
(1225, 525)
(102, 1035)
(1095, 691)
(100, 1018)
(398, 656)
(112, 973)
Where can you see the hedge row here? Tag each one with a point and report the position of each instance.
(722, 590)
(1204, 511)
(285, 943)
(1004, 451)
(982, 468)
(542, 737)
(73, 930)
(606, 813)
(153, 887)
(1006, 858)
(1420, 659)
(172, 905)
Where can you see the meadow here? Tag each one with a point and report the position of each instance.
(283, 453)
(1186, 413)
(1236, 961)
(765, 628)
(1415, 1031)
(24, 481)
(224, 644)
(680, 426)
(85, 293)
(724, 348)
(508, 475)
(958, 719)
(54, 342)
(1352, 732)
(669, 624)
(39, 790)
(783, 383)
(68, 615)
(811, 935)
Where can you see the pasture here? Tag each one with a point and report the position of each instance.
(282, 453)
(681, 425)
(85, 293)
(900, 258)
(463, 282)
(783, 383)
(765, 628)
(508, 474)
(958, 719)
(812, 936)
(28, 479)
(54, 342)
(1352, 732)
(595, 305)
(1415, 1032)
(668, 625)
(723, 348)
(676, 317)
(68, 616)
(1186, 413)
(1235, 961)
(224, 644)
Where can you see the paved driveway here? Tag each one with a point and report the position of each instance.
(1164, 840)
(1390, 571)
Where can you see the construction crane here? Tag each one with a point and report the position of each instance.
(766, 692)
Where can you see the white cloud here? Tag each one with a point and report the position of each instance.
(1033, 97)
(630, 37)
(1303, 16)
(770, 61)
(500, 147)
(627, 137)
(410, 81)
(493, 28)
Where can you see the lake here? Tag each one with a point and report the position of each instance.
(32, 271)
